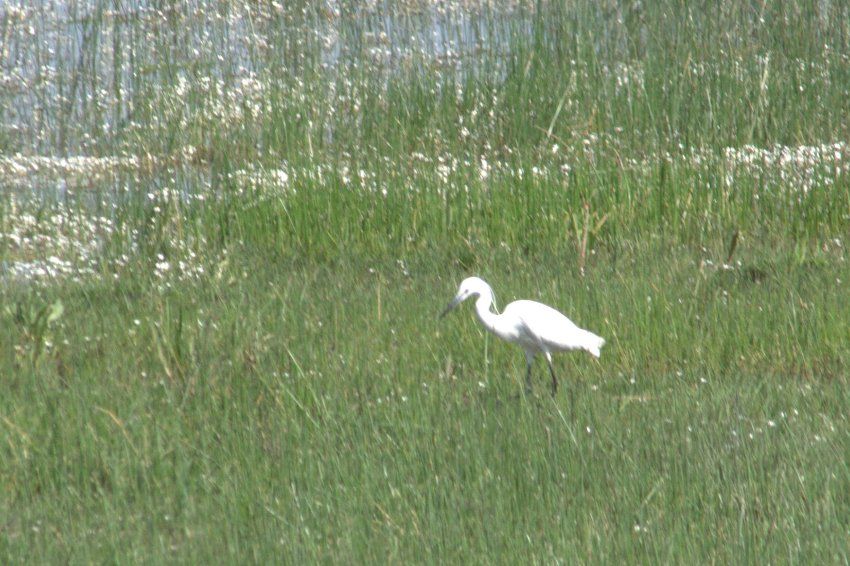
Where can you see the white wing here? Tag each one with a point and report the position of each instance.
(548, 329)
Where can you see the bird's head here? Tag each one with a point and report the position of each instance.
(469, 287)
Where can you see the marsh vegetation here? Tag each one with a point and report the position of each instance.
(227, 229)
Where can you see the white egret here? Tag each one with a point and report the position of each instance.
(535, 327)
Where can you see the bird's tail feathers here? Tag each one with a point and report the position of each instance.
(593, 344)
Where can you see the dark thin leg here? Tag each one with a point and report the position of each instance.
(529, 360)
(555, 387)
(554, 379)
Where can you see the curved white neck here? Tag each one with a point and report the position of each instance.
(482, 308)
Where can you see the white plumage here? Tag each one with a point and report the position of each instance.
(537, 328)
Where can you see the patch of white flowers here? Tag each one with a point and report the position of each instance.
(55, 245)
(801, 167)
(52, 243)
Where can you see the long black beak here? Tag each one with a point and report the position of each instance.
(455, 302)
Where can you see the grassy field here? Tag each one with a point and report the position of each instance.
(227, 231)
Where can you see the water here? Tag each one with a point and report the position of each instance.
(74, 75)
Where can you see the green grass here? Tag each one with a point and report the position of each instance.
(323, 413)
(259, 374)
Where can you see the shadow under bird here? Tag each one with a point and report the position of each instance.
(535, 327)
